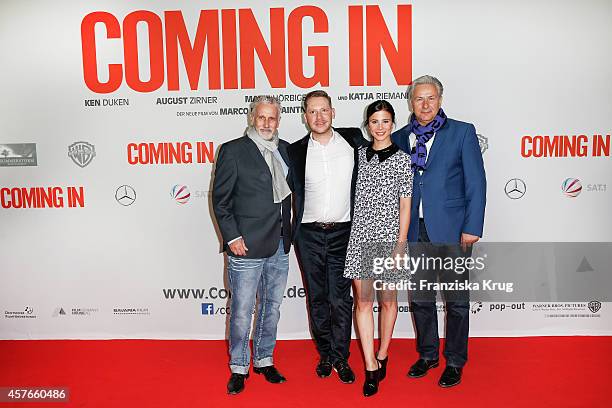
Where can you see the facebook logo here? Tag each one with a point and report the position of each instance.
(208, 309)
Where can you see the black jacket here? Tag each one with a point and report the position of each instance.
(243, 200)
(297, 156)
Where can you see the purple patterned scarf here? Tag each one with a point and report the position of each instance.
(418, 155)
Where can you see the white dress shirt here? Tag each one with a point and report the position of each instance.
(413, 139)
(327, 188)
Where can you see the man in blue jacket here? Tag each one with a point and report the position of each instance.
(448, 205)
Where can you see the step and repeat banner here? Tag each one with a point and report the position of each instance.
(112, 112)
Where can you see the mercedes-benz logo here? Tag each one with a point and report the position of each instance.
(125, 195)
(515, 188)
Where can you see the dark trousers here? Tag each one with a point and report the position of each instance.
(321, 254)
(457, 305)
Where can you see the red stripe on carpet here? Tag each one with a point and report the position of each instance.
(501, 372)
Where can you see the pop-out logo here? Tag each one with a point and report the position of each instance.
(170, 153)
(233, 38)
(42, 197)
(565, 146)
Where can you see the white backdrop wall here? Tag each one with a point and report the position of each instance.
(152, 269)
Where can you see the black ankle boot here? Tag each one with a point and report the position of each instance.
(370, 386)
(382, 371)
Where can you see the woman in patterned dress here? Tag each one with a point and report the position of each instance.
(379, 230)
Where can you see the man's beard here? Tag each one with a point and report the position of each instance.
(266, 134)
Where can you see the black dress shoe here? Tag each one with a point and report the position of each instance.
(382, 371)
(370, 386)
(271, 373)
(420, 368)
(451, 376)
(324, 368)
(235, 384)
(344, 371)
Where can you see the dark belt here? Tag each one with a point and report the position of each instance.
(328, 225)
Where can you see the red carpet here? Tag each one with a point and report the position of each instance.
(502, 372)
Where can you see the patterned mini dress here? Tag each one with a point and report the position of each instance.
(375, 227)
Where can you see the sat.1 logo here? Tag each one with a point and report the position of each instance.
(180, 193)
(571, 187)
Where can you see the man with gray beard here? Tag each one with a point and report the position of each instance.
(252, 204)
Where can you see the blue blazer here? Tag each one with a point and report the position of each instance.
(454, 186)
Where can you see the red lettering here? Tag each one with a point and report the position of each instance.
(33, 197)
(356, 45)
(581, 143)
(525, 152)
(319, 53)
(230, 57)
(239, 29)
(46, 197)
(16, 198)
(207, 32)
(160, 153)
(601, 147)
(568, 146)
(156, 51)
(172, 153)
(88, 46)
(58, 200)
(156, 154)
(555, 146)
(76, 197)
(131, 148)
(549, 147)
(186, 156)
(205, 153)
(29, 198)
(4, 197)
(143, 153)
(252, 41)
(537, 146)
(378, 38)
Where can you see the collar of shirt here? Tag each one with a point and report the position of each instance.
(332, 140)
(412, 140)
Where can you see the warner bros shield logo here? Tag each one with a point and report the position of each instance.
(594, 306)
(81, 153)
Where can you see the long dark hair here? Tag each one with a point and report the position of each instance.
(380, 105)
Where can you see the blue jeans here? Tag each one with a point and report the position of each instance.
(265, 278)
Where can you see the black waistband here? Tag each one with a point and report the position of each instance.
(327, 226)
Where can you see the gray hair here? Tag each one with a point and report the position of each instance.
(422, 80)
(258, 100)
